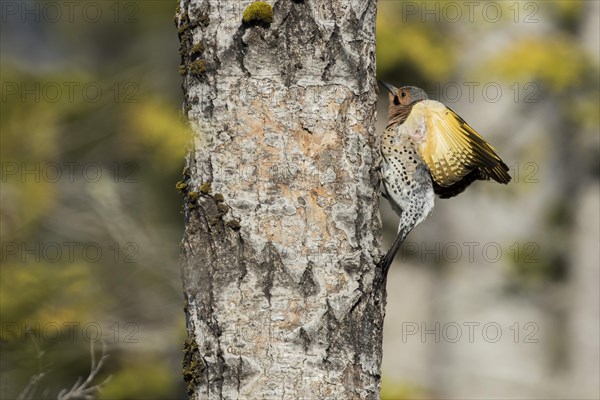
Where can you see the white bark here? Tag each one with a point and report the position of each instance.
(280, 252)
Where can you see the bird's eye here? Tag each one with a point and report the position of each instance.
(403, 94)
(396, 101)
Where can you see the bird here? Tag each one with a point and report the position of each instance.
(427, 150)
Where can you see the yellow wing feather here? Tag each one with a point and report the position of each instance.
(451, 148)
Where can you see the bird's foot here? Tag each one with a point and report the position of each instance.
(384, 265)
(386, 262)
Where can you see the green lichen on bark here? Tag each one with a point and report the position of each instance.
(197, 49)
(219, 198)
(197, 67)
(205, 188)
(181, 186)
(234, 224)
(193, 197)
(191, 61)
(193, 365)
(258, 13)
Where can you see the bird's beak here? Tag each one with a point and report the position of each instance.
(389, 87)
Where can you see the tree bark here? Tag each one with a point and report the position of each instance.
(282, 227)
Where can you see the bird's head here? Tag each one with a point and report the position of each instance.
(406, 95)
(402, 100)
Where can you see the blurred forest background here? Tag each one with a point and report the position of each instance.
(495, 296)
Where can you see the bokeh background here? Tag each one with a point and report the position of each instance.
(495, 296)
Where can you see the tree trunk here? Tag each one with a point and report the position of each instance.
(282, 228)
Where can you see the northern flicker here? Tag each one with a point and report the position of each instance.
(428, 150)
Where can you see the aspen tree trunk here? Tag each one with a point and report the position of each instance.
(282, 228)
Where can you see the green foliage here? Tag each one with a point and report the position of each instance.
(416, 50)
(567, 13)
(410, 51)
(556, 62)
(159, 126)
(132, 131)
(401, 391)
(140, 379)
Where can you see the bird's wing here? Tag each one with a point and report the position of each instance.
(452, 149)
